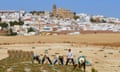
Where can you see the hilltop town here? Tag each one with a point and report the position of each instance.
(50, 35)
(58, 21)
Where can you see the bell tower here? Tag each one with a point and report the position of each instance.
(54, 9)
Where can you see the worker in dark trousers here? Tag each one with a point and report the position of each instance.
(70, 57)
(46, 57)
(81, 62)
(36, 58)
(60, 59)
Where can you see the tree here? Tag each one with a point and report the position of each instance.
(0, 19)
(92, 20)
(31, 30)
(76, 17)
(11, 23)
(37, 12)
(32, 12)
(103, 21)
(11, 33)
(20, 22)
(16, 23)
(3, 25)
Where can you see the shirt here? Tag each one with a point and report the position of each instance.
(70, 55)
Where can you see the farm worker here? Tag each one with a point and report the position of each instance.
(82, 62)
(36, 57)
(70, 57)
(46, 57)
(59, 58)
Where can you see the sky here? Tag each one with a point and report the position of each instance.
(108, 8)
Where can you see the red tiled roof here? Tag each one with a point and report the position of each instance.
(29, 19)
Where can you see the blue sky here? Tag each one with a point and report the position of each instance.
(109, 8)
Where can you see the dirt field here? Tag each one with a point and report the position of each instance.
(104, 58)
(93, 39)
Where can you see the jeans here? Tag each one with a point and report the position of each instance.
(58, 59)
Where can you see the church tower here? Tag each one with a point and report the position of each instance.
(54, 10)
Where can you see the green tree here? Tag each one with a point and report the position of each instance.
(11, 23)
(0, 19)
(16, 23)
(37, 12)
(76, 17)
(20, 22)
(4, 25)
(11, 33)
(31, 30)
(32, 12)
(103, 21)
(92, 20)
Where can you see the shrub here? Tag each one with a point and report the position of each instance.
(13, 34)
(31, 30)
(93, 70)
(3, 25)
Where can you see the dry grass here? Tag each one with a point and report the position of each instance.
(20, 65)
(93, 39)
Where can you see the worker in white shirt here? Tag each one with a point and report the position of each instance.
(36, 57)
(70, 57)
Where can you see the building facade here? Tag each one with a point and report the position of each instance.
(62, 13)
